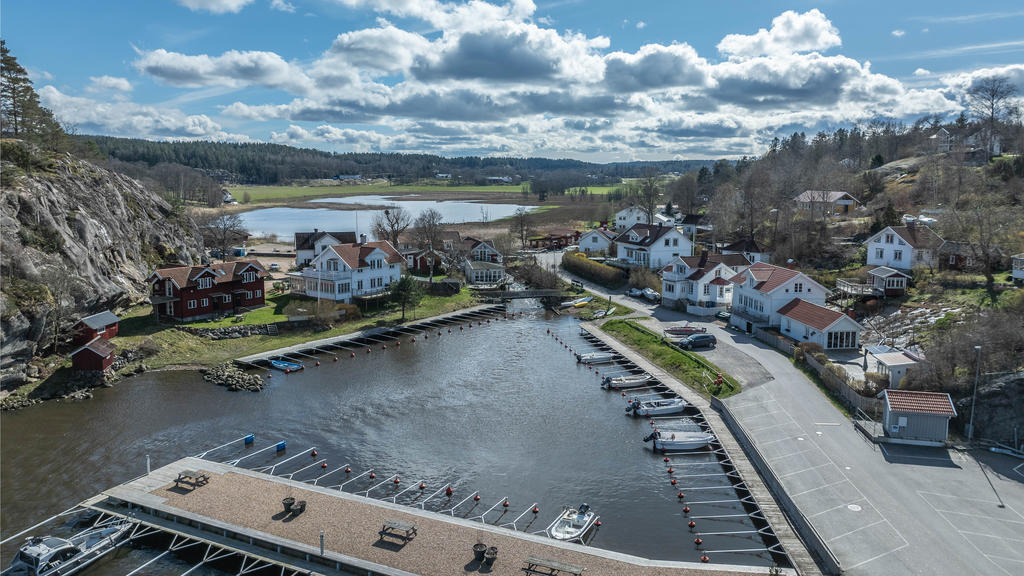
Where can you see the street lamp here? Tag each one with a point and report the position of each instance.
(974, 397)
(775, 228)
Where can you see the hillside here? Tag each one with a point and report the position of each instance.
(76, 239)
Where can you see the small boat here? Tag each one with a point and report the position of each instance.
(661, 407)
(631, 381)
(573, 523)
(603, 313)
(596, 357)
(651, 295)
(684, 330)
(578, 303)
(286, 366)
(678, 440)
(52, 556)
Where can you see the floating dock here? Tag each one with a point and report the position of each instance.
(239, 512)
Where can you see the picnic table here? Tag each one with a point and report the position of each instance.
(402, 530)
(534, 564)
(192, 478)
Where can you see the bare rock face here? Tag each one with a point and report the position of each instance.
(85, 236)
(997, 409)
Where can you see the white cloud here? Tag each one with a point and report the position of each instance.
(357, 140)
(922, 72)
(384, 49)
(641, 25)
(233, 68)
(282, 5)
(655, 66)
(790, 32)
(962, 82)
(899, 33)
(215, 6)
(37, 75)
(104, 83)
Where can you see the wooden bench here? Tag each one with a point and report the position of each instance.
(192, 478)
(534, 565)
(398, 529)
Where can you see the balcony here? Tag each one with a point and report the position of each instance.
(751, 315)
(854, 287)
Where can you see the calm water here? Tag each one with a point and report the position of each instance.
(284, 222)
(501, 409)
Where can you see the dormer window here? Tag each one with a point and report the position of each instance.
(205, 283)
(249, 277)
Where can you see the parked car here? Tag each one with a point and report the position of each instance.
(651, 295)
(698, 341)
(724, 315)
(635, 293)
(275, 267)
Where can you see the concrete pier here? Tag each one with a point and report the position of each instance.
(241, 509)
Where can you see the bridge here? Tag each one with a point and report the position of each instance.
(520, 294)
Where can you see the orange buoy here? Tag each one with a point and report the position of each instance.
(348, 470)
(396, 480)
(287, 370)
(698, 541)
(367, 350)
(372, 475)
(705, 559)
(623, 394)
(536, 510)
(476, 498)
(681, 495)
(670, 470)
(448, 491)
(692, 524)
(317, 362)
(665, 458)
(422, 485)
(686, 509)
(505, 504)
(398, 342)
(323, 464)
(598, 523)
(673, 481)
(335, 358)
(313, 453)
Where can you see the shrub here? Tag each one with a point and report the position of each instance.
(820, 358)
(875, 383)
(149, 347)
(644, 278)
(607, 276)
(811, 347)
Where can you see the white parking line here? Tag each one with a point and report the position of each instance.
(843, 505)
(823, 486)
(855, 530)
(905, 545)
(774, 441)
(970, 541)
(804, 470)
(762, 429)
(977, 516)
(991, 536)
(886, 452)
(790, 454)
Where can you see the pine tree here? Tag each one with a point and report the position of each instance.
(21, 115)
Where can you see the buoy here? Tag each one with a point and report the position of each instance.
(348, 470)
(367, 350)
(352, 355)
(698, 541)
(505, 503)
(705, 559)
(335, 358)
(692, 524)
(384, 347)
(438, 332)
(313, 453)
(287, 370)
(269, 375)
(422, 485)
(623, 394)
(372, 475)
(398, 342)
(460, 328)
(665, 458)
(673, 481)
(681, 495)
(448, 491)
(413, 340)
(476, 498)
(317, 362)
(670, 470)
(598, 523)
(426, 336)
(686, 509)
(449, 330)
(323, 464)
(536, 510)
(396, 480)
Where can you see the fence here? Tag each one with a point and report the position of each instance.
(840, 386)
(775, 340)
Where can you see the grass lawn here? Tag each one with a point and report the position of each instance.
(174, 347)
(272, 312)
(687, 367)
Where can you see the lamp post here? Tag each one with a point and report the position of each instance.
(974, 396)
(775, 228)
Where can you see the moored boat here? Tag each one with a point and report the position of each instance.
(573, 523)
(52, 556)
(578, 303)
(596, 357)
(684, 330)
(678, 440)
(631, 381)
(286, 366)
(658, 407)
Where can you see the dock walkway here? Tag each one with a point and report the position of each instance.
(784, 531)
(244, 507)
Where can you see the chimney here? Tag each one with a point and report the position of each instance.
(362, 238)
(791, 264)
(911, 225)
(315, 231)
(850, 313)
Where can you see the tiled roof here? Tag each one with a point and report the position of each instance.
(747, 245)
(98, 346)
(950, 247)
(921, 402)
(355, 254)
(223, 272)
(305, 240)
(766, 276)
(810, 314)
(603, 232)
(719, 281)
(648, 233)
(918, 236)
(823, 196)
(97, 321)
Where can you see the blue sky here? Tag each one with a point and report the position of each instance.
(595, 80)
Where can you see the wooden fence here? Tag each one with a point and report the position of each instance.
(842, 388)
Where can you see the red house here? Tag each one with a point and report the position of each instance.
(189, 293)
(556, 239)
(97, 355)
(426, 260)
(102, 325)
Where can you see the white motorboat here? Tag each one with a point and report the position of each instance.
(671, 441)
(596, 357)
(631, 381)
(573, 523)
(651, 295)
(578, 303)
(52, 556)
(658, 407)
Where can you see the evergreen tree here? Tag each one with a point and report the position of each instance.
(21, 115)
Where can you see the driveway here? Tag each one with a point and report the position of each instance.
(880, 509)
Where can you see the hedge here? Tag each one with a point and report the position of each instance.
(602, 274)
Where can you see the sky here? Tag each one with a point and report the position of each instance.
(597, 80)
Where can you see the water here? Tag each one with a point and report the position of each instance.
(284, 222)
(502, 409)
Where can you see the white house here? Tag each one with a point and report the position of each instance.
(689, 224)
(904, 247)
(481, 250)
(1018, 268)
(829, 201)
(346, 271)
(598, 240)
(749, 249)
(893, 363)
(805, 321)
(941, 141)
(483, 263)
(309, 244)
(652, 246)
(700, 283)
(629, 216)
(762, 289)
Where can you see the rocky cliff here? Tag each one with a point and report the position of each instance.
(76, 239)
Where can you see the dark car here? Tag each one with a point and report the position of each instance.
(697, 341)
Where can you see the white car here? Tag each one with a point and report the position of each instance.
(635, 293)
(275, 267)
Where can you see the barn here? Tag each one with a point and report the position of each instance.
(97, 355)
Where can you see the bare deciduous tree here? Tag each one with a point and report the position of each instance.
(519, 227)
(989, 101)
(427, 229)
(221, 229)
(390, 223)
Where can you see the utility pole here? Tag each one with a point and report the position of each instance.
(974, 397)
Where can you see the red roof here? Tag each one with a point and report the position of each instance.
(719, 281)
(921, 402)
(766, 276)
(224, 272)
(355, 254)
(810, 314)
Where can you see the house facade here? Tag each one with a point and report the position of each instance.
(829, 202)
(627, 217)
(309, 244)
(760, 291)
(652, 246)
(188, 293)
(483, 264)
(103, 325)
(347, 271)
(805, 321)
(903, 247)
(96, 355)
(941, 141)
(425, 261)
(965, 256)
(698, 284)
(596, 241)
(555, 240)
(889, 282)
(1018, 268)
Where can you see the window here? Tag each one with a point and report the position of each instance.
(798, 287)
(670, 287)
(227, 297)
(259, 293)
(204, 302)
(248, 295)
(691, 287)
(168, 288)
(593, 239)
(721, 291)
(359, 284)
(345, 287)
(205, 283)
(889, 238)
(718, 273)
(191, 304)
(675, 241)
(897, 255)
(880, 253)
(332, 265)
(667, 242)
(249, 277)
(707, 289)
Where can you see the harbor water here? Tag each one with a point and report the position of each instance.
(501, 408)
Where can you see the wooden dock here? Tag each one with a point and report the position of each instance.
(240, 510)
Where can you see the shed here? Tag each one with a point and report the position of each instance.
(97, 355)
(917, 417)
(895, 364)
(103, 325)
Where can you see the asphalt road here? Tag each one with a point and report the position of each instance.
(880, 509)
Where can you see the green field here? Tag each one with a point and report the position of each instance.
(275, 193)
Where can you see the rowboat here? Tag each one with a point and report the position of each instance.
(596, 357)
(660, 407)
(573, 523)
(678, 440)
(286, 366)
(684, 330)
(578, 303)
(631, 381)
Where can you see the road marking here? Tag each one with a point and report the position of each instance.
(843, 535)
(756, 430)
(886, 452)
(991, 536)
(977, 516)
(774, 441)
(955, 527)
(804, 470)
(1004, 558)
(826, 424)
(982, 500)
(833, 508)
(848, 568)
(790, 454)
(824, 486)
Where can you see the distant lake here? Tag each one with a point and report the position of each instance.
(285, 222)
